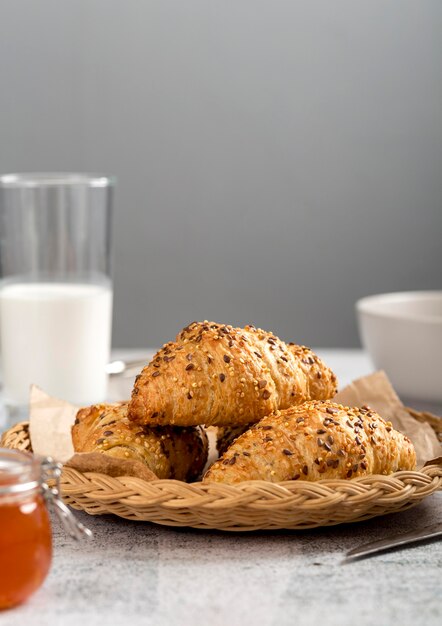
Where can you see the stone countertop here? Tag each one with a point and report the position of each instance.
(138, 573)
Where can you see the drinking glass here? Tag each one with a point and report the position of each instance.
(55, 287)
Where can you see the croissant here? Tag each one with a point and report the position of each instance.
(214, 374)
(314, 441)
(169, 452)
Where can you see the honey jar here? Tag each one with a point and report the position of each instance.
(28, 484)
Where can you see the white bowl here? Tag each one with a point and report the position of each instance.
(403, 334)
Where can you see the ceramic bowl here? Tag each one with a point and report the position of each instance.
(402, 332)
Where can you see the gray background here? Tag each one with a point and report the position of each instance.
(276, 159)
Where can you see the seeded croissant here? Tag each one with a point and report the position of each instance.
(220, 375)
(314, 441)
(169, 452)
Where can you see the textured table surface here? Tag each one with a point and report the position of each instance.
(140, 574)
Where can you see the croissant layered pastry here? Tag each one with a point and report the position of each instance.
(169, 452)
(314, 441)
(216, 374)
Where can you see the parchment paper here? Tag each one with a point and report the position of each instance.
(50, 423)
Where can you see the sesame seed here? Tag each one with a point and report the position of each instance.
(331, 410)
(222, 377)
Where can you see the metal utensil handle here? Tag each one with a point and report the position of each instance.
(415, 536)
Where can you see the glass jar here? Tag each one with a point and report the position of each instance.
(25, 526)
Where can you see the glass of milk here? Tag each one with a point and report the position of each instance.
(55, 287)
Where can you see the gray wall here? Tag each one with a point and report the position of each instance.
(276, 159)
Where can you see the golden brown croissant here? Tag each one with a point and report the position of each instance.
(214, 374)
(314, 441)
(169, 452)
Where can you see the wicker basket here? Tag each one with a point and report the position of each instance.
(254, 505)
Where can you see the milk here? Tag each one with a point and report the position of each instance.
(56, 335)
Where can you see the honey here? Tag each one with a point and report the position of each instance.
(25, 529)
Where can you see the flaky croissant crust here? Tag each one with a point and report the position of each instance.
(315, 441)
(217, 374)
(169, 452)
